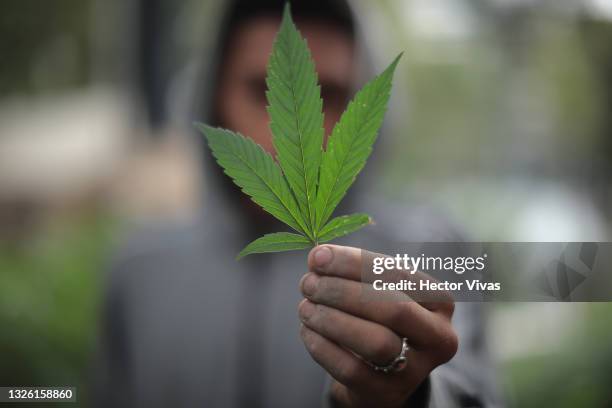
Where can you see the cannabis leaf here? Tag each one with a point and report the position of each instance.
(256, 173)
(351, 142)
(343, 225)
(296, 114)
(276, 242)
(307, 184)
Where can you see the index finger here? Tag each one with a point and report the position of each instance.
(335, 260)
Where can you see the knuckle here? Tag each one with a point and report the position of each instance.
(310, 341)
(309, 284)
(385, 348)
(348, 372)
(319, 319)
(448, 308)
(448, 344)
(303, 333)
(452, 344)
(301, 307)
(400, 314)
(329, 290)
(319, 316)
(322, 287)
(338, 392)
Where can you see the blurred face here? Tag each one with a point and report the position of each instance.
(241, 100)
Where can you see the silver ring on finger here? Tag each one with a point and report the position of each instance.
(398, 364)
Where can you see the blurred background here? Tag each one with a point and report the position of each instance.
(502, 119)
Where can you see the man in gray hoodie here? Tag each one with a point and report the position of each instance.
(187, 325)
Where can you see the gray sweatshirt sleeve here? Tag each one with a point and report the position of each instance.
(469, 379)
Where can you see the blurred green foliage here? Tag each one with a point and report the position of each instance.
(521, 98)
(579, 374)
(50, 290)
(44, 45)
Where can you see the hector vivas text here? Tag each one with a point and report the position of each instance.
(431, 264)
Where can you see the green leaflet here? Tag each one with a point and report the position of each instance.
(256, 173)
(351, 142)
(296, 117)
(276, 242)
(309, 183)
(344, 225)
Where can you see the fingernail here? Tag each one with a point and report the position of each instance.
(322, 256)
(309, 284)
(306, 311)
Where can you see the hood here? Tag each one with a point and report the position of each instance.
(231, 13)
(217, 185)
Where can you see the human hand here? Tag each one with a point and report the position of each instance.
(343, 332)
